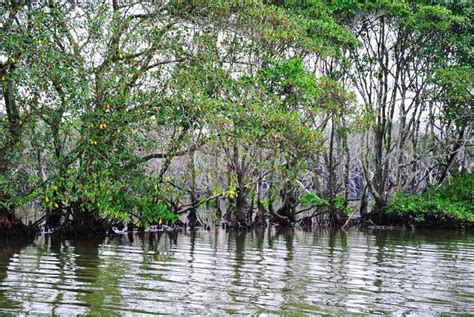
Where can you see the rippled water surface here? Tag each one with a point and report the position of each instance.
(268, 271)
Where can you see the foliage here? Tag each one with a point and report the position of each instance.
(311, 199)
(340, 204)
(452, 201)
(453, 87)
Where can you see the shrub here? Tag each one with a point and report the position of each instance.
(451, 202)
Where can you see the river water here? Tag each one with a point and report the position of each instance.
(219, 272)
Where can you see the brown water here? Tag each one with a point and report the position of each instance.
(215, 272)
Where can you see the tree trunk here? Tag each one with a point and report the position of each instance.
(3, 173)
(9, 224)
(451, 158)
(259, 220)
(285, 215)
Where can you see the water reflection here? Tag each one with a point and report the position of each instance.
(7, 252)
(263, 271)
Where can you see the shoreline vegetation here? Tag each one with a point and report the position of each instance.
(186, 115)
(449, 206)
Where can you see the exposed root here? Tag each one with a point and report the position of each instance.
(11, 227)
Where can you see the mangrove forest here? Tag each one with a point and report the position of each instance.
(236, 157)
(235, 113)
